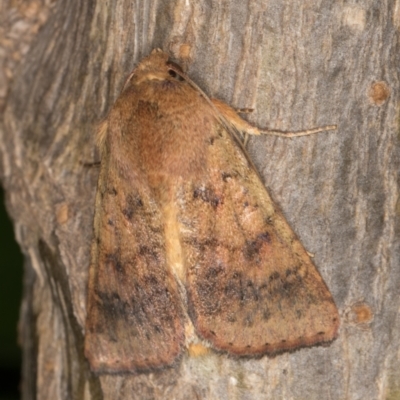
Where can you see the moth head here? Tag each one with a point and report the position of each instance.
(155, 67)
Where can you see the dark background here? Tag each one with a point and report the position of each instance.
(11, 262)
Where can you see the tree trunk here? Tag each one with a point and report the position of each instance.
(299, 64)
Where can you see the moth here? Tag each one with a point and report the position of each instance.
(187, 241)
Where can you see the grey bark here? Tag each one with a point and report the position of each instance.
(299, 64)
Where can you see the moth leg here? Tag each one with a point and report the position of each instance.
(244, 110)
(234, 119)
(247, 129)
(197, 350)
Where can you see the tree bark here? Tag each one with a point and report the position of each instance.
(299, 64)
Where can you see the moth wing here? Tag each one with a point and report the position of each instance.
(134, 318)
(252, 288)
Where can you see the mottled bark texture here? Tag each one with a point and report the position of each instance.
(299, 64)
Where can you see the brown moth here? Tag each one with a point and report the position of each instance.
(187, 239)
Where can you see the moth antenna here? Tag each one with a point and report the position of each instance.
(248, 129)
(101, 133)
